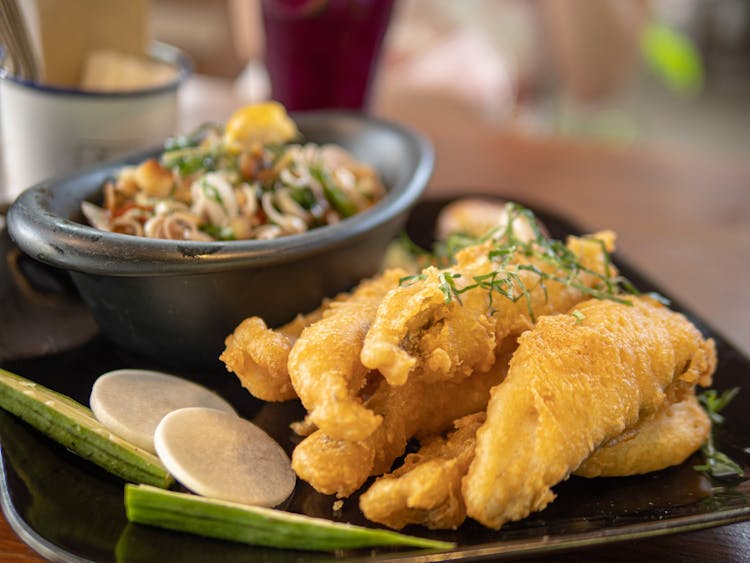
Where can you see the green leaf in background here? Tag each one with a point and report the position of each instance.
(672, 57)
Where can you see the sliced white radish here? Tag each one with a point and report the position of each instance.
(217, 455)
(131, 402)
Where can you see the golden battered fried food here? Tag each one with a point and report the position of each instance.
(445, 339)
(669, 438)
(258, 355)
(447, 323)
(426, 489)
(574, 383)
(415, 326)
(415, 409)
(595, 387)
(324, 365)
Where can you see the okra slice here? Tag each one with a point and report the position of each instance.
(74, 426)
(256, 525)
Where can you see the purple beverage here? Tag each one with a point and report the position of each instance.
(323, 53)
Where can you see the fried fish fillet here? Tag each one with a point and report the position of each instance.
(417, 330)
(415, 409)
(444, 339)
(258, 355)
(426, 489)
(324, 364)
(573, 384)
(669, 438)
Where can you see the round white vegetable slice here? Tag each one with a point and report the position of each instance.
(132, 402)
(217, 455)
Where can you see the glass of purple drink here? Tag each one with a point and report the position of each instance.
(323, 53)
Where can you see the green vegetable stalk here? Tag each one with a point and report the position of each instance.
(255, 525)
(75, 427)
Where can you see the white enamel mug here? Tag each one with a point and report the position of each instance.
(48, 131)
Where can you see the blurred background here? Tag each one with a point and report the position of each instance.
(678, 74)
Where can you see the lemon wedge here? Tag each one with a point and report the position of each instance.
(266, 123)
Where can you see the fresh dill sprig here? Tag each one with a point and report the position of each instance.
(717, 463)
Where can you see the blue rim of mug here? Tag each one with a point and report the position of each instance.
(158, 51)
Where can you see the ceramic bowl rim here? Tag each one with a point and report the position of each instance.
(159, 51)
(63, 242)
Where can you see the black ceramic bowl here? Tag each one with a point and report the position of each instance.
(175, 301)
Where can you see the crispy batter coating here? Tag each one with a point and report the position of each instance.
(258, 355)
(667, 439)
(444, 339)
(604, 390)
(426, 489)
(573, 385)
(416, 332)
(415, 409)
(324, 365)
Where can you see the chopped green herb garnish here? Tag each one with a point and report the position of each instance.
(410, 280)
(192, 139)
(713, 402)
(211, 192)
(506, 280)
(445, 251)
(180, 142)
(303, 196)
(448, 286)
(578, 316)
(717, 463)
(335, 195)
(219, 233)
(191, 160)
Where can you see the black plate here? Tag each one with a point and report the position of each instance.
(68, 509)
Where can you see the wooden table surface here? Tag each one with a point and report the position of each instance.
(682, 218)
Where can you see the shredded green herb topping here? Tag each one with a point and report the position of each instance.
(505, 280)
(717, 463)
